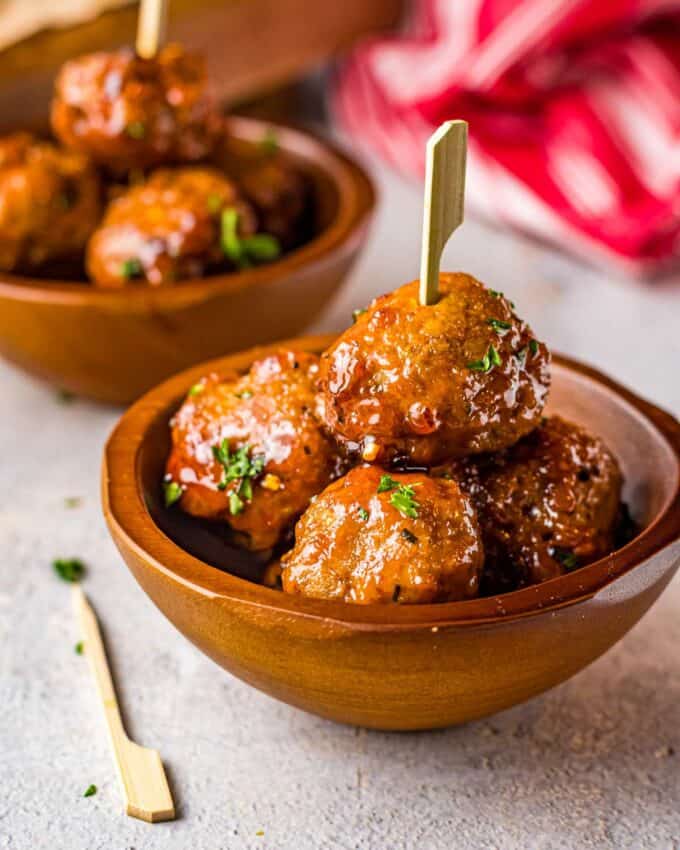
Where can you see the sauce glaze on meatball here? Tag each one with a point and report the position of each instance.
(424, 384)
(371, 537)
(249, 451)
(546, 506)
(127, 112)
(166, 229)
(49, 202)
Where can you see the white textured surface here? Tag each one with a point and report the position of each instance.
(594, 763)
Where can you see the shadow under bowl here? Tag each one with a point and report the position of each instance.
(402, 667)
(113, 345)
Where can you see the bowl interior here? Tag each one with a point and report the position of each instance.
(649, 463)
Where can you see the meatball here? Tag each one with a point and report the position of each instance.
(423, 384)
(49, 203)
(167, 229)
(127, 112)
(249, 451)
(376, 538)
(546, 506)
(281, 196)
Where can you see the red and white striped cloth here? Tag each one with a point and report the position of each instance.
(574, 111)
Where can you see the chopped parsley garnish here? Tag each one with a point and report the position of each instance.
(72, 502)
(269, 143)
(136, 130)
(363, 514)
(65, 396)
(358, 312)
(499, 326)
(409, 535)
(172, 492)
(387, 483)
(91, 791)
(565, 557)
(403, 499)
(533, 346)
(78, 648)
(491, 358)
(243, 251)
(130, 268)
(196, 389)
(245, 395)
(237, 466)
(69, 569)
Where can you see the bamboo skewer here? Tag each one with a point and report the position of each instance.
(140, 770)
(151, 27)
(444, 199)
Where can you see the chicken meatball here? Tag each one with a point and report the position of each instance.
(422, 384)
(546, 506)
(249, 451)
(49, 203)
(282, 199)
(373, 537)
(127, 112)
(167, 229)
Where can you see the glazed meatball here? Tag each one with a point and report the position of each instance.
(422, 384)
(127, 112)
(249, 451)
(49, 203)
(546, 506)
(167, 229)
(281, 196)
(373, 537)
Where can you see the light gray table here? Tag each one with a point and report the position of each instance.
(594, 763)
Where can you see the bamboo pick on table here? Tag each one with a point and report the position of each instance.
(151, 27)
(140, 770)
(444, 199)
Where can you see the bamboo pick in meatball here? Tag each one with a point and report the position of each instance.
(179, 224)
(249, 451)
(374, 537)
(422, 384)
(546, 506)
(49, 203)
(129, 113)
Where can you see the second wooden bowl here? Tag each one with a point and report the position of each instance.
(404, 667)
(114, 345)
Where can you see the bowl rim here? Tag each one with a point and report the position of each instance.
(357, 197)
(134, 529)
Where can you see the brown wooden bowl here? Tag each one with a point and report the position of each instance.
(405, 667)
(113, 345)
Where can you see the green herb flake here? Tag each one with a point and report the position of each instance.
(533, 346)
(214, 203)
(499, 326)
(409, 535)
(269, 143)
(491, 358)
(240, 467)
(566, 558)
(261, 247)
(136, 130)
(131, 268)
(78, 648)
(196, 389)
(65, 396)
(387, 483)
(494, 293)
(403, 499)
(69, 569)
(244, 251)
(358, 312)
(72, 502)
(230, 241)
(245, 395)
(235, 504)
(91, 791)
(363, 514)
(172, 492)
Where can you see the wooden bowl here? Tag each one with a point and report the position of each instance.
(114, 345)
(405, 667)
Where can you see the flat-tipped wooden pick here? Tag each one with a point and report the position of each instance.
(140, 770)
(151, 27)
(444, 200)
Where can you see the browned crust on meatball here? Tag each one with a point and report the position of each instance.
(460, 377)
(127, 112)
(270, 412)
(49, 203)
(166, 229)
(547, 505)
(354, 544)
